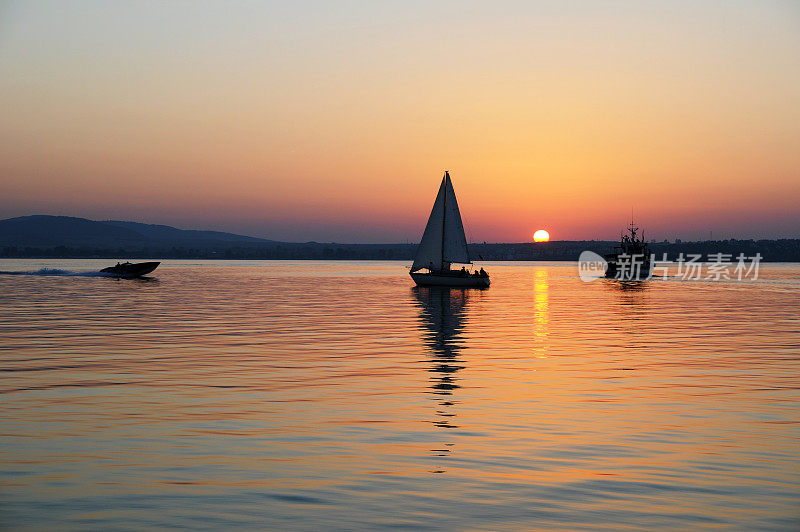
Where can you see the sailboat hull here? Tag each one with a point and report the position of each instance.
(457, 281)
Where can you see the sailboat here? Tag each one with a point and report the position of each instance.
(444, 243)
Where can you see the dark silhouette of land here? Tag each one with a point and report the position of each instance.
(49, 231)
(44, 236)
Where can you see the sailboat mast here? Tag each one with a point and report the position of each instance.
(444, 216)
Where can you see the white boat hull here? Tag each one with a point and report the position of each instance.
(456, 281)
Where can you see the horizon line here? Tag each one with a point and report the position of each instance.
(397, 243)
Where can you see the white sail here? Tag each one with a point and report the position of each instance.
(429, 252)
(455, 241)
(443, 241)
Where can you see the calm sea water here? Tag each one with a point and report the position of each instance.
(333, 395)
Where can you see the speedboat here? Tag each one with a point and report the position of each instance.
(129, 270)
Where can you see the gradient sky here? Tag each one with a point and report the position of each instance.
(334, 121)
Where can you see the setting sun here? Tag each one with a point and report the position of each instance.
(541, 236)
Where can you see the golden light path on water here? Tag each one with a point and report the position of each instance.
(333, 395)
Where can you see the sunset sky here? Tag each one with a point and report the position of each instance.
(334, 121)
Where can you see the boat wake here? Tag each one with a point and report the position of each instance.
(57, 272)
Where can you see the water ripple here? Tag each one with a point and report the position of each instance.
(333, 395)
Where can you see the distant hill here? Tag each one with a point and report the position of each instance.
(43, 231)
(67, 237)
(166, 232)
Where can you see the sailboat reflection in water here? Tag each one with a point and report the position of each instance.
(442, 317)
(444, 243)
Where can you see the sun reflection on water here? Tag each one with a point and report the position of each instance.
(541, 312)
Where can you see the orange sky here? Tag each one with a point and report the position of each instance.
(335, 121)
